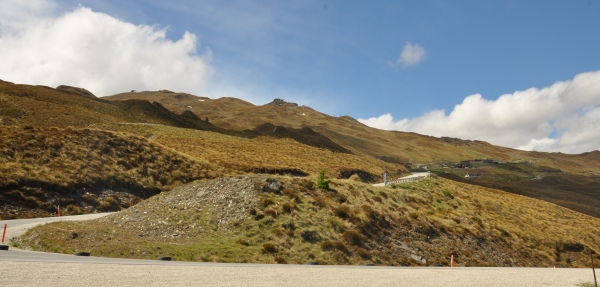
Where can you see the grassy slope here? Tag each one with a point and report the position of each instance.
(46, 107)
(262, 154)
(354, 223)
(52, 160)
(357, 224)
(40, 168)
(578, 180)
(239, 115)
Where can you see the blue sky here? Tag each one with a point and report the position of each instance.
(344, 57)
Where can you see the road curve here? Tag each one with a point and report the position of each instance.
(18, 227)
(27, 268)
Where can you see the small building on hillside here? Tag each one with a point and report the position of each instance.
(473, 175)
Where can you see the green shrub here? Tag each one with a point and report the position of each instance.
(321, 181)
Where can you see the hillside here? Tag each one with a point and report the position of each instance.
(266, 219)
(575, 186)
(240, 185)
(85, 170)
(49, 131)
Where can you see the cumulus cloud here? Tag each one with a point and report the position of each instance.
(411, 55)
(95, 51)
(562, 117)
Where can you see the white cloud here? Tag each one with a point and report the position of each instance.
(95, 51)
(411, 55)
(563, 117)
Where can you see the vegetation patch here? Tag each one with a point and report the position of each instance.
(227, 220)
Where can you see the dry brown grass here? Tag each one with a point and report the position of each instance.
(580, 171)
(431, 219)
(46, 107)
(236, 155)
(38, 166)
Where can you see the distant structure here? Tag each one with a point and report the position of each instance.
(464, 164)
(473, 175)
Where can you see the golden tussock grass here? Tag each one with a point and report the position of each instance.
(235, 155)
(37, 164)
(431, 219)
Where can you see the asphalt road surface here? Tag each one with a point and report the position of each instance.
(27, 268)
(18, 227)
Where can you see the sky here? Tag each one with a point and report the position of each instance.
(520, 74)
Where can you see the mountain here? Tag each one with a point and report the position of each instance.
(49, 135)
(564, 179)
(242, 182)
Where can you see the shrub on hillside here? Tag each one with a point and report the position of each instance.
(342, 211)
(353, 237)
(310, 235)
(288, 207)
(364, 253)
(109, 204)
(330, 245)
(321, 181)
(73, 210)
(90, 199)
(269, 247)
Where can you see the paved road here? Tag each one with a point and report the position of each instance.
(415, 174)
(26, 268)
(17, 227)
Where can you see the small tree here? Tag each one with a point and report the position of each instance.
(321, 182)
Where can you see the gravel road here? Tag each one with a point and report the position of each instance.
(88, 274)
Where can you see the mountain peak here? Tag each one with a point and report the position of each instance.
(281, 102)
